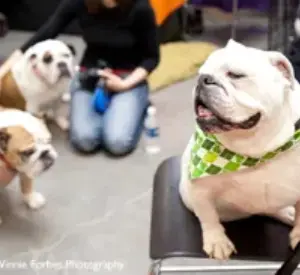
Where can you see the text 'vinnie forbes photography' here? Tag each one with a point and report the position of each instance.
(93, 266)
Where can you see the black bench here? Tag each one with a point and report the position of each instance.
(175, 232)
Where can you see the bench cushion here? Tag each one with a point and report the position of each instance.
(175, 231)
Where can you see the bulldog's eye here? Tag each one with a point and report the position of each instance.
(235, 75)
(32, 56)
(47, 59)
(27, 153)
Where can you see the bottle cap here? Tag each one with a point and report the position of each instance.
(151, 110)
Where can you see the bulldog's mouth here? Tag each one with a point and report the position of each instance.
(47, 160)
(211, 122)
(65, 74)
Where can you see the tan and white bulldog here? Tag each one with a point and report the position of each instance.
(37, 82)
(25, 149)
(247, 109)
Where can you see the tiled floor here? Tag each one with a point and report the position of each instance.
(99, 208)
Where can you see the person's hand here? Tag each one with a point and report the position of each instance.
(112, 81)
(6, 175)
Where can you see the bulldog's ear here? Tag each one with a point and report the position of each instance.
(278, 60)
(234, 44)
(72, 49)
(4, 139)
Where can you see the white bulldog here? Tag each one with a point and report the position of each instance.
(39, 80)
(244, 157)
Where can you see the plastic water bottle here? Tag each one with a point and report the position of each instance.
(151, 132)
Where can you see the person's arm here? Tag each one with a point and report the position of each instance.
(63, 15)
(146, 30)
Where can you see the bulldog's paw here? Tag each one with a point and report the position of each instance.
(217, 245)
(62, 123)
(295, 237)
(66, 97)
(34, 200)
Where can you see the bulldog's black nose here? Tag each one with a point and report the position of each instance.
(64, 70)
(45, 154)
(47, 159)
(62, 65)
(206, 79)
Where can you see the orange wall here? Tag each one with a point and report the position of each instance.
(163, 8)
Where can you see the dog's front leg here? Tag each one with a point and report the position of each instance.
(295, 233)
(215, 241)
(61, 121)
(33, 199)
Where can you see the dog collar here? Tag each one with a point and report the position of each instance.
(210, 157)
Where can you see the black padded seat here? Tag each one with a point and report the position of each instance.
(176, 232)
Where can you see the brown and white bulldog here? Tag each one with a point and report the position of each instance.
(37, 82)
(26, 150)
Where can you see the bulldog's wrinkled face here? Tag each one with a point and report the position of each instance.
(238, 87)
(26, 153)
(52, 61)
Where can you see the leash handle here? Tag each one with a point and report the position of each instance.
(291, 263)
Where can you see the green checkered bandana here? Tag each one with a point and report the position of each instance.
(210, 157)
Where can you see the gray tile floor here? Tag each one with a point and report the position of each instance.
(98, 208)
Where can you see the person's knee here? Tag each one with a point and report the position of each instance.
(84, 142)
(118, 145)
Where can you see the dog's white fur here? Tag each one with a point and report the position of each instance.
(271, 89)
(43, 94)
